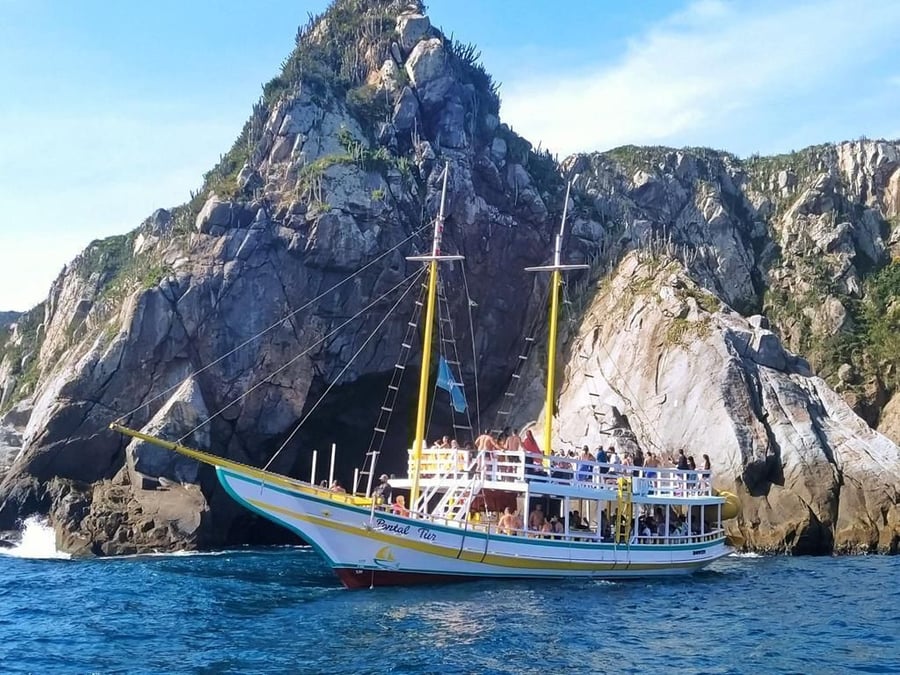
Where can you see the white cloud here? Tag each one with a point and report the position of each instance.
(714, 71)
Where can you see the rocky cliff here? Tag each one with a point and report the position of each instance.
(340, 163)
(7, 318)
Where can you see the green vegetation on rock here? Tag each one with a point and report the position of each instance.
(22, 354)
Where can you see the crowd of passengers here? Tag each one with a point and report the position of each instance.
(507, 448)
(651, 526)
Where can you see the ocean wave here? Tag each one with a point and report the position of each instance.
(38, 541)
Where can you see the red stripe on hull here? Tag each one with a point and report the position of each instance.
(357, 578)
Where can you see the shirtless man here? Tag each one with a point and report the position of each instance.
(536, 520)
(486, 443)
(507, 522)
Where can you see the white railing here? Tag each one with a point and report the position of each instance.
(501, 465)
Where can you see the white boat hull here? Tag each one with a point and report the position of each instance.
(367, 548)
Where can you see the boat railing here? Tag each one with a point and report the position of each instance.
(449, 463)
(645, 481)
(506, 466)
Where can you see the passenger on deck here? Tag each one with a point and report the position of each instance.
(513, 441)
(604, 526)
(399, 507)
(602, 458)
(383, 491)
(577, 523)
(486, 445)
(692, 473)
(536, 519)
(519, 525)
(556, 527)
(507, 522)
(512, 446)
(705, 480)
(533, 456)
(638, 458)
(337, 487)
(585, 470)
(546, 529)
(614, 460)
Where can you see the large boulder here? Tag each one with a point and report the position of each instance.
(412, 28)
(429, 72)
(182, 413)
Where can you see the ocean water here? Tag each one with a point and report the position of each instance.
(283, 611)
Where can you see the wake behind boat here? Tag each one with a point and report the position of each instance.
(488, 511)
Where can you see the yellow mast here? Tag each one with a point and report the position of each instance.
(555, 281)
(556, 270)
(432, 260)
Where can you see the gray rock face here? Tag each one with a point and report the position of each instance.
(405, 110)
(412, 28)
(215, 213)
(184, 410)
(802, 462)
(429, 72)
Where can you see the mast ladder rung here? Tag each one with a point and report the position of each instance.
(453, 363)
(386, 409)
(504, 412)
(405, 345)
(462, 426)
(510, 394)
(516, 376)
(398, 366)
(529, 339)
(445, 319)
(393, 387)
(380, 431)
(593, 393)
(412, 324)
(418, 303)
(522, 357)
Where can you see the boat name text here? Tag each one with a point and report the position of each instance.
(397, 528)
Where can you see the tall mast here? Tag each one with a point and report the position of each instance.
(556, 270)
(432, 261)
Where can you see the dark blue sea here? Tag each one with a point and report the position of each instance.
(283, 611)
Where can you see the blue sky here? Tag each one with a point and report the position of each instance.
(109, 110)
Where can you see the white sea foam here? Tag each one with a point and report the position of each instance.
(38, 541)
(746, 555)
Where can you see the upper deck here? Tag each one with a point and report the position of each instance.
(558, 475)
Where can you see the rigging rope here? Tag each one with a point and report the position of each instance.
(478, 428)
(341, 374)
(456, 361)
(276, 324)
(302, 354)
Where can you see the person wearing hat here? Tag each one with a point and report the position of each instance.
(383, 491)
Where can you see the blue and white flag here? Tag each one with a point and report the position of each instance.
(446, 382)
